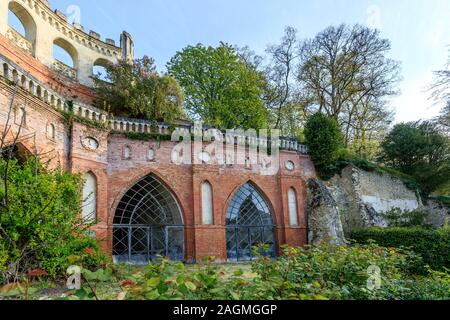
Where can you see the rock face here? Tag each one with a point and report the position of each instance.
(363, 197)
(437, 214)
(359, 199)
(323, 215)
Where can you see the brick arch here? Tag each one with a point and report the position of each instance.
(135, 180)
(261, 192)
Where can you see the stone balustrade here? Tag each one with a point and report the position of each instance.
(65, 70)
(19, 40)
(126, 125)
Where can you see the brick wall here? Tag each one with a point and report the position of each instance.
(115, 174)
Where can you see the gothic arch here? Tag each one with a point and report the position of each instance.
(148, 223)
(235, 191)
(250, 221)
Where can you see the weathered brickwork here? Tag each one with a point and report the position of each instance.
(118, 162)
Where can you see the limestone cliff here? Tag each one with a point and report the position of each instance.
(358, 199)
(323, 215)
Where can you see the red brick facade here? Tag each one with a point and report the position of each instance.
(115, 174)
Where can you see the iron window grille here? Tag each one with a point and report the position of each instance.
(148, 224)
(249, 223)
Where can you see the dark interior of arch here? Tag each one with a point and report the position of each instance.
(249, 223)
(148, 224)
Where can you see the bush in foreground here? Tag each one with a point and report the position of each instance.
(315, 273)
(40, 225)
(433, 245)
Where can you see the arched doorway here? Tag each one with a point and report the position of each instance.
(148, 224)
(249, 223)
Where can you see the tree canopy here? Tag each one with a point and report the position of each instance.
(221, 89)
(138, 90)
(420, 150)
(324, 139)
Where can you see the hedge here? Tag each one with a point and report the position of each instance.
(433, 245)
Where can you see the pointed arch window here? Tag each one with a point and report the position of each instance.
(293, 211)
(249, 224)
(207, 204)
(21, 117)
(148, 224)
(89, 210)
(127, 152)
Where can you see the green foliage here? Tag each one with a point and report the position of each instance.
(419, 150)
(40, 226)
(309, 273)
(92, 279)
(220, 88)
(405, 218)
(313, 273)
(432, 245)
(71, 117)
(324, 140)
(137, 90)
(332, 272)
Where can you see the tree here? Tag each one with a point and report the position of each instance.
(221, 88)
(443, 120)
(324, 140)
(420, 150)
(441, 86)
(441, 93)
(282, 95)
(345, 68)
(137, 90)
(366, 126)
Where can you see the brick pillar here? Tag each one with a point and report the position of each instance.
(210, 240)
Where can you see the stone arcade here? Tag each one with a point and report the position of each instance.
(143, 203)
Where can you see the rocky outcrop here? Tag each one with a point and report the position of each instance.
(363, 197)
(436, 213)
(360, 199)
(323, 215)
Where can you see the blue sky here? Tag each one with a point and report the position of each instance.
(418, 29)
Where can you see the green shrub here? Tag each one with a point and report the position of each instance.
(405, 218)
(78, 250)
(40, 222)
(431, 244)
(333, 272)
(421, 151)
(324, 140)
(314, 273)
